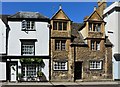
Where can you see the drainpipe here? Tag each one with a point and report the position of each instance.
(74, 61)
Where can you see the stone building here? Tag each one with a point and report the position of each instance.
(60, 46)
(80, 51)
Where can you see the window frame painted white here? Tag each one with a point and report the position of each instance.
(25, 24)
(95, 65)
(60, 66)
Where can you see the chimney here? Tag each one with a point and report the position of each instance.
(101, 6)
(101, 2)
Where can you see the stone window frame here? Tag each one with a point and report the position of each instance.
(60, 45)
(28, 25)
(95, 64)
(95, 45)
(94, 27)
(60, 65)
(56, 24)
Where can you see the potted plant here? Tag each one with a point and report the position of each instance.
(40, 74)
(19, 76)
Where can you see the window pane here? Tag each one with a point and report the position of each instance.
(90, 26)
(92, 45)
(28, 49)
(28, 25)
(32, 25)
(57, 44)
(64, 25)
(60, 25)
(63, 44)
(97, 45)
(60, 66)
(54, 25)
(30, 70)
(95, 65)
(24, 24)
(99, 28)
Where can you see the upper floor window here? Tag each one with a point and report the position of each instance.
(90, 26)
(60, 44)
(28, 25)
(95, 64)
(95, 27)
(95, 45)
(27, 47)
(55, 25)
(59, 25)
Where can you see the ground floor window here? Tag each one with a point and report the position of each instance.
(60, 65)
(95, 64)
(30, 70)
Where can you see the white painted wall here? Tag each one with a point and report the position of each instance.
(2, 71)
(41, 34)
(45, 70)
(2, 37)
(113, 25)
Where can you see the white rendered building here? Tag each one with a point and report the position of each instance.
(28, 39)
(112, 19)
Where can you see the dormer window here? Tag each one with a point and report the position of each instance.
(28, 25)
(95, 27)
(59, 25)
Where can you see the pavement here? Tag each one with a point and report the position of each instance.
(61, 83)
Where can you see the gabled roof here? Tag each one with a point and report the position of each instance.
(60, 10)
(28, 15)
(107, 42)
(94, 12)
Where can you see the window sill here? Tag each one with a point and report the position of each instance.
(60, 70)
(28, 30)
(95, 69)
(60, 50)
(94, 50)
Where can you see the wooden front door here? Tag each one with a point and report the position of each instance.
(78, 70)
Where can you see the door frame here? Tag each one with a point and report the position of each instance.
(8, 70)
(81, 62)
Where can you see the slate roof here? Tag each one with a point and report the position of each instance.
(4, 18)
(77, 36)
(107, 42)
(28, 15)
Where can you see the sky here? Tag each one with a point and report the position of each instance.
(76, 11)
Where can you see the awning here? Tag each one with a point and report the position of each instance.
(117, 56)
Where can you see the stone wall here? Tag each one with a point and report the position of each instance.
(84, 54)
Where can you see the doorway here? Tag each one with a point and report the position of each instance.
(11, 71)
(78, 70)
